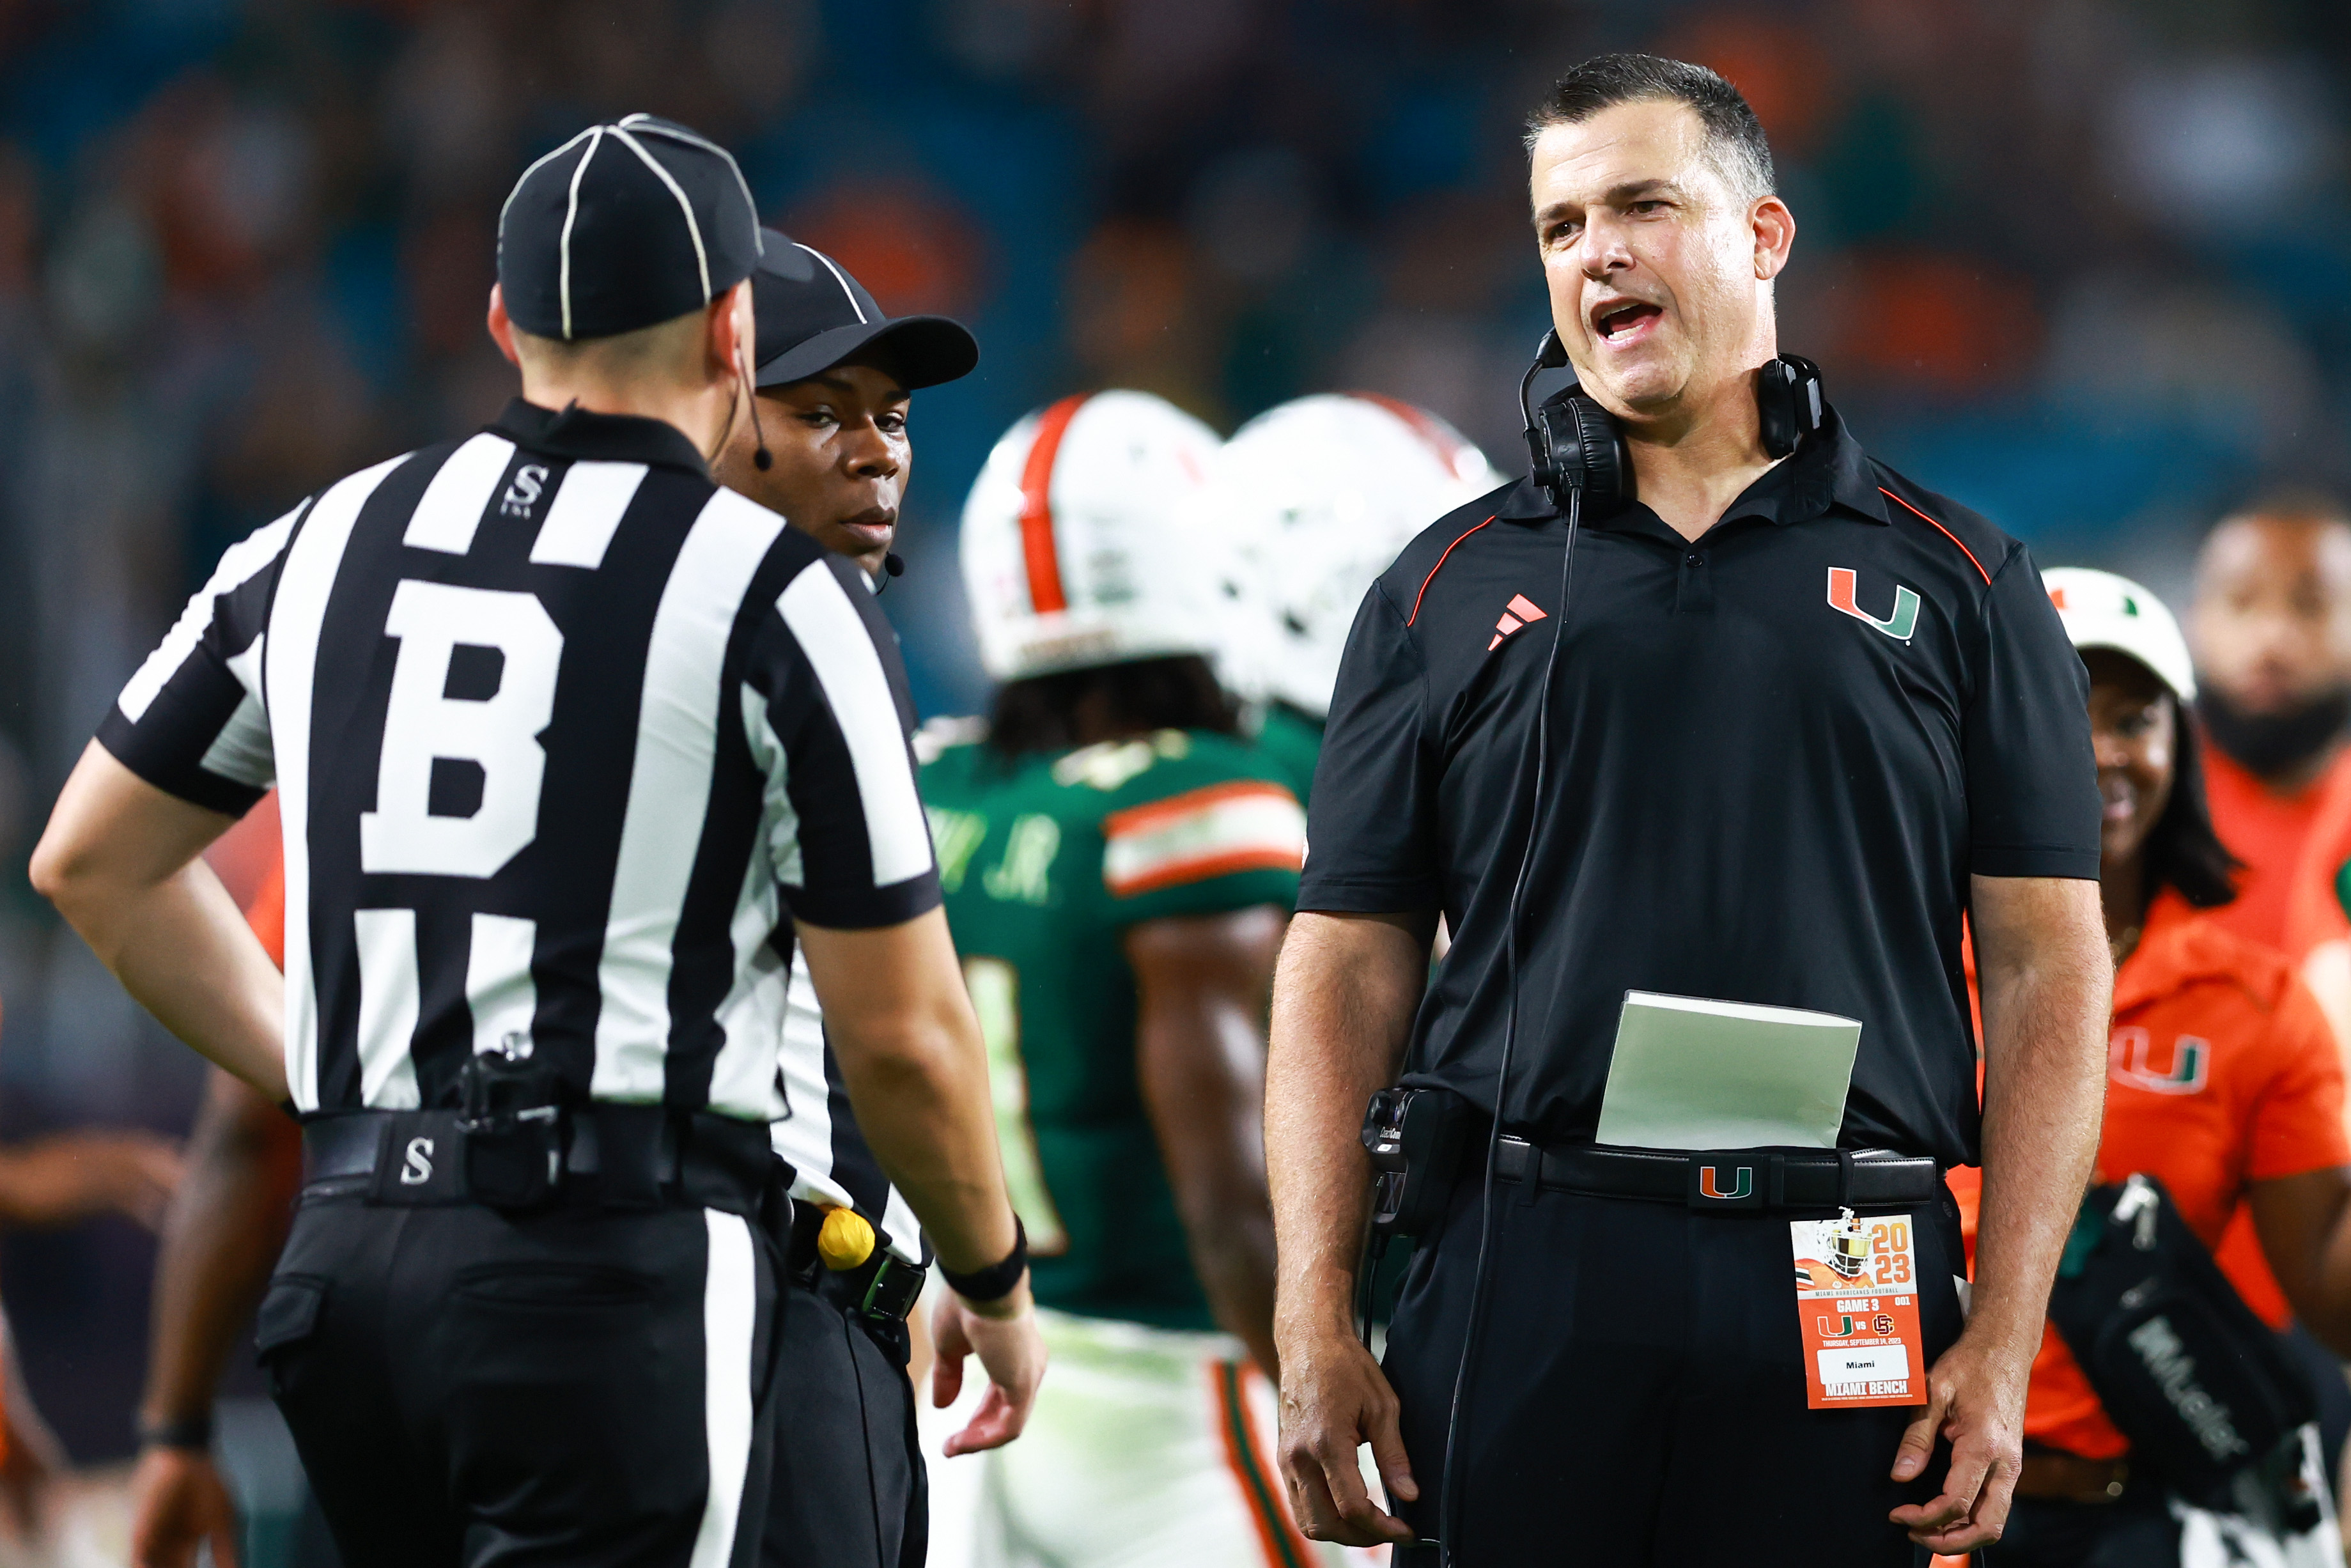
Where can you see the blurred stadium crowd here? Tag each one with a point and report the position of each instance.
(2083, 264)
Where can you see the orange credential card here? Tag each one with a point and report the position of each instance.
(1857, 1305)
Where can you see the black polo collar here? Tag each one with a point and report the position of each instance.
(1829, 469)
(573, 431)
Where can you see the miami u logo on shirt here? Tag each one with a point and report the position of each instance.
(2130, 1059)
(1845, 585)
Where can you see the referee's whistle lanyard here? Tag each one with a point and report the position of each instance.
(1449, 1492)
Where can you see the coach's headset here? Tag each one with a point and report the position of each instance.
(1576, 450)
(1573, 444)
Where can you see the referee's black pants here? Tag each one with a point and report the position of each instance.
(1638, 1395)
(849, 1488)
(580, 1387)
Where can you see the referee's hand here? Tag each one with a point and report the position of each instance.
(177, 1504)
(1334, 1399)
(1003, 1335)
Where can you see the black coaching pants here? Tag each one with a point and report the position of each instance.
(849, 1490)
(1638, 1396)
(578, 1387)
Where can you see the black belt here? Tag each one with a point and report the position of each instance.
(616, 1156)
(1729, 1178)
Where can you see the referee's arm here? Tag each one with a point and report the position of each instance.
(916, 1072)
(826, 718)
(120, 860)
(1343, 1000)
(912, 1060)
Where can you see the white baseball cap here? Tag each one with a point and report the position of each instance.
(2103, 610)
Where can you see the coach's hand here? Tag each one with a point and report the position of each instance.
(1334, 1398)
(1003, 1335)
(177, 1502)
(1975, 1398)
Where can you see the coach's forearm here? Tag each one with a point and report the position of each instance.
(2047, 982)
(118, 861)
(1342, 1006)
(221, 1238)
(916, 1070)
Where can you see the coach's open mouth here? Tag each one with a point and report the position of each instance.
(1619, 320)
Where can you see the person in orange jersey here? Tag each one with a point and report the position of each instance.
(2270, 626)
(2223, 1082)
(2271, 631)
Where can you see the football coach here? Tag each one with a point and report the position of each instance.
(575, 751)
(1792, 726)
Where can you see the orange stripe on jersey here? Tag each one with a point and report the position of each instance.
(1245, 1456)
(1037, 549)
(1176, 875)
(1158, 813)
(1245, 825)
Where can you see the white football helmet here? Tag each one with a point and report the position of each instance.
(1312, 500)
(1078, 544)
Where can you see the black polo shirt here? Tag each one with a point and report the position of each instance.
(1777, 755)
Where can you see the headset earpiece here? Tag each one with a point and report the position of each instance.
(1572, 444)
(1586, 449)
(1788, 401)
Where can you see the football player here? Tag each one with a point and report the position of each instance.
(1119, 867)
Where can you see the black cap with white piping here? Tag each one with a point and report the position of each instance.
(813, 315)
(622, 227)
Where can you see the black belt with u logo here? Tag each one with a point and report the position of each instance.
(1767, 1179)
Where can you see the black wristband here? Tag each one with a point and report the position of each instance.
(178, 1432)
(993, 1282)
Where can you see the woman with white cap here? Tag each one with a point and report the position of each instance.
(2223, 1084)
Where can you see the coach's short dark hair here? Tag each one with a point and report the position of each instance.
(1733, 133)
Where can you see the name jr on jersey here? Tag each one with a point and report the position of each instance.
(1191, 836)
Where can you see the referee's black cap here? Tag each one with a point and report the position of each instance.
(813, 315)
(622, 227)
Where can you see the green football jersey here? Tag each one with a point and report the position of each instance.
(1045, 861)
(1293, 741)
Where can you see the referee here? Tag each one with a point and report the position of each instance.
(831, 450)
(1806, 718)
(564, 735)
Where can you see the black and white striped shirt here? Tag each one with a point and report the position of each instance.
(564, 736)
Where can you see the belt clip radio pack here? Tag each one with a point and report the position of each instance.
(1415, 1136)
(513, 1123)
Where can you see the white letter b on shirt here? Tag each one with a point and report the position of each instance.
(499, 733)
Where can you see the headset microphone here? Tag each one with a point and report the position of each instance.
(761, 458)
(893, 564)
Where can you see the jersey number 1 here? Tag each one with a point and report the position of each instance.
(995, 988)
